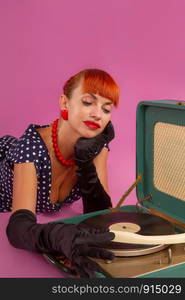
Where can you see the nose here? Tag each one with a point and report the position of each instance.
(96, 113)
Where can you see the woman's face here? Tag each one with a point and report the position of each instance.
(88, 114)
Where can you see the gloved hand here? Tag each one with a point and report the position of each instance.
(94, 197)
(59, 238)
(87, 148)
(88, 246)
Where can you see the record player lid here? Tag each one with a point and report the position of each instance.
(160, 156)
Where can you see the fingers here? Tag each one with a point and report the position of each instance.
(88, 148)
(97, 239)
(98, 230)
(109, 131)
(100, 253)
(92, 230)
(86, 268)
(100, 239)
(84, 250)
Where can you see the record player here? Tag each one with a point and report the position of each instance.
(160, 208)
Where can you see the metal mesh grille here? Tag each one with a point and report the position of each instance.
(169, 159)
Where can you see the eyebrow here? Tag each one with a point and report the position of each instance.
(94, 97)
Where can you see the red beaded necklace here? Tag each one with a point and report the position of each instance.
(56, 147)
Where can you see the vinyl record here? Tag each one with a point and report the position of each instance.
(141, 223)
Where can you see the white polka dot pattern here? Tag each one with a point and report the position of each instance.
(30, 147)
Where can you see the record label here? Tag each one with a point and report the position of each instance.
(125, 226)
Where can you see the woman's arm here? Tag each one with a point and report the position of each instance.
(24, 232)
(24, 187)
(100, 162)
(93, 184)
(91, 159)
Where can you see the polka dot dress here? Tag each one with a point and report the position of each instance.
(30, 147)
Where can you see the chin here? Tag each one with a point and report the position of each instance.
(89, 134)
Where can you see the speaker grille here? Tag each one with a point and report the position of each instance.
(169, 159)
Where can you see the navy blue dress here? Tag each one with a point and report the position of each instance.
(30, 147)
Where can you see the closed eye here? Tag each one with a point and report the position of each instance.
(86, 103)
(106, 111)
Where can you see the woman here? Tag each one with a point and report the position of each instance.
(56, 164)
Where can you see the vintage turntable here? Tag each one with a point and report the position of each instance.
(150, 237)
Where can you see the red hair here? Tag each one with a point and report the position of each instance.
(94, 81)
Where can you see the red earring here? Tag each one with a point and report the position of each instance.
(64, 114)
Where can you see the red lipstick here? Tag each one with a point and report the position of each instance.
(92, 125)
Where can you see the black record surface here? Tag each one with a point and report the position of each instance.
(149, 224)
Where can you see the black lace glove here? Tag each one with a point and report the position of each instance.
(94, 196)
(87, 148)
(59, 238)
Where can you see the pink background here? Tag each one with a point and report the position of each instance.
(43, 42)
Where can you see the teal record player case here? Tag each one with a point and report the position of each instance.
(160, 156)
(160, 160)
